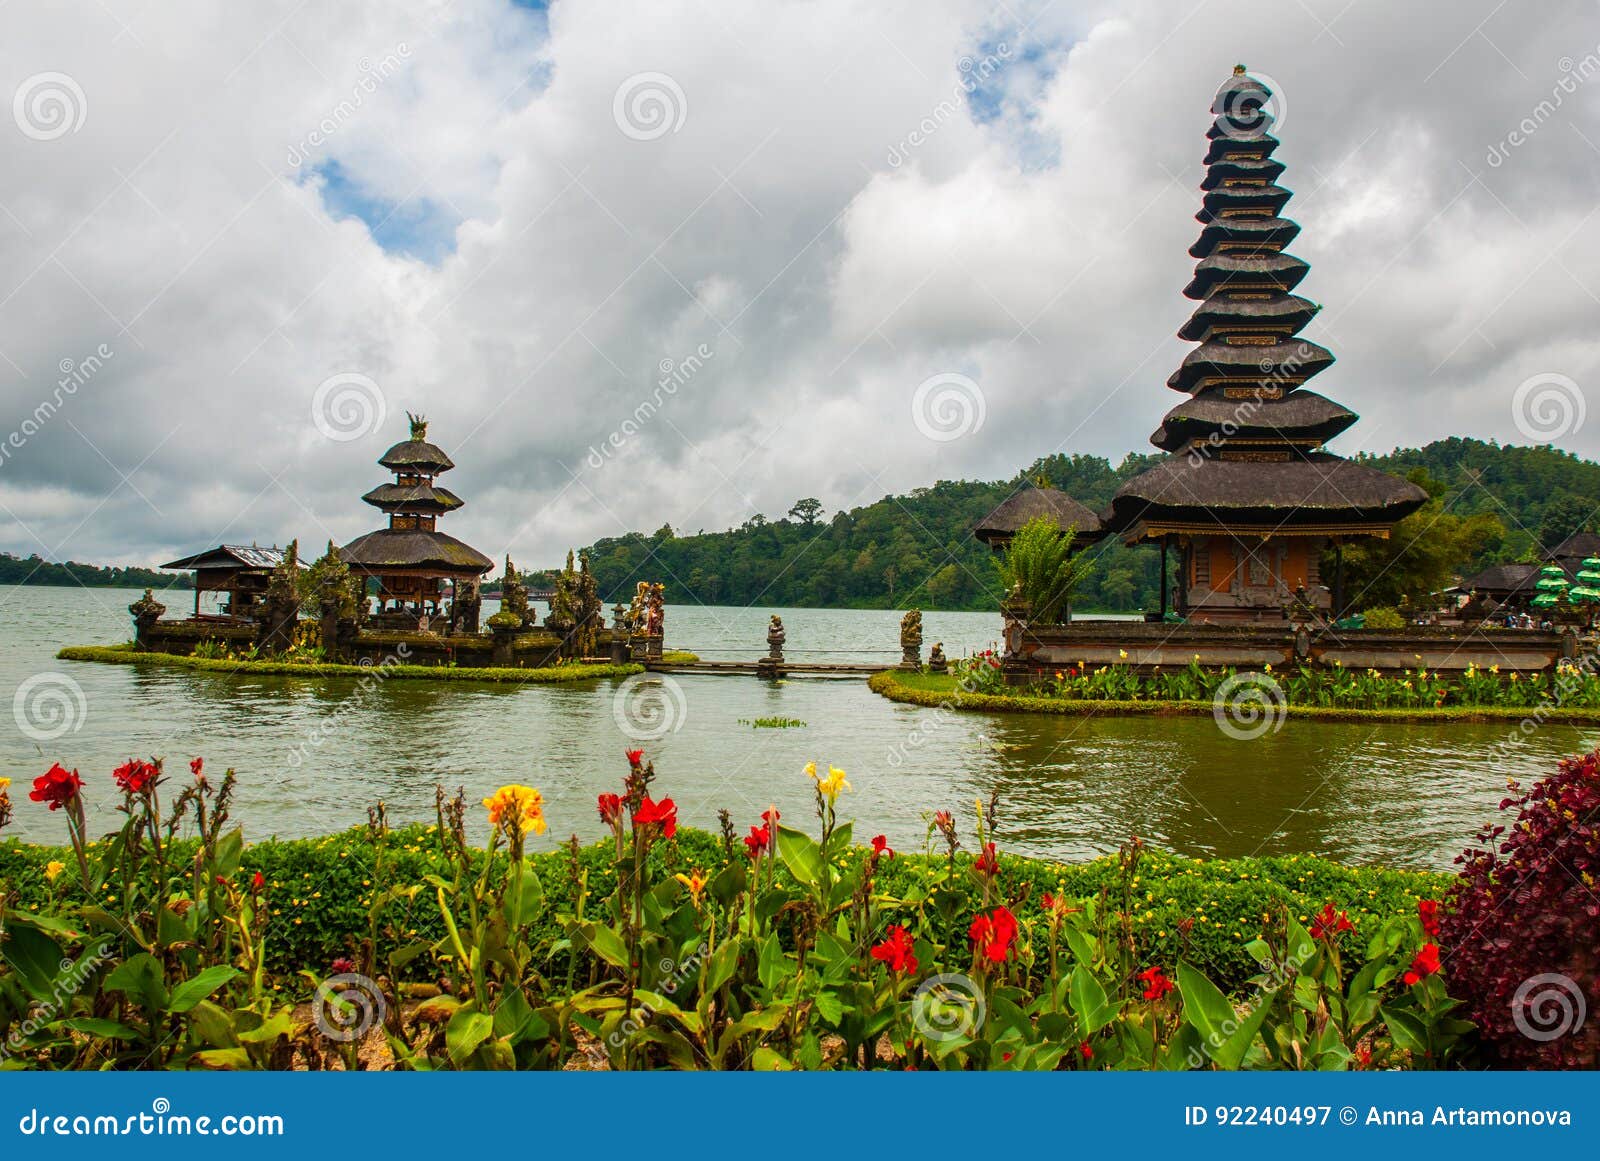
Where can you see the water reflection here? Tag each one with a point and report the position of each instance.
(1070, 788)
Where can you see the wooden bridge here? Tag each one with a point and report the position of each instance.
(790, 664)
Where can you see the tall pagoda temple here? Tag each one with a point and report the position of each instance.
(411, 559)
(1247, 495)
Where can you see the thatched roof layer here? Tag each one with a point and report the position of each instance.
(416, 455)
(413, 498)
(1300, 415)
(413, 548)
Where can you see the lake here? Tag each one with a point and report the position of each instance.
(313, 753)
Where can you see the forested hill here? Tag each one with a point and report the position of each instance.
(32, 570)
(918, 549)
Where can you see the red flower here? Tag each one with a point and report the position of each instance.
(635, 757)
(342, 966)
(258, 882)
(1330, 924)
(896, 951)
(56, 786)
(942, 818)
(1425, 964)
(664, 812)
(987, 863)
(880, 846)
(196, 765)
(759, 838)
(610, 806)
(992, 934)
(1155, 982)
(134, 776)
(1428, 912)
(770, 816)
(1085, 1051)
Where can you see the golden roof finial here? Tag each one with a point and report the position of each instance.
(1238, 70)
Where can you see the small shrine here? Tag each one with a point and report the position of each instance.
(240, 572)
(1248, 498)
(1032, 502)
(411, 561)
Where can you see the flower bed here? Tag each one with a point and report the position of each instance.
(1569, 696)
(126, 655)
(666, 948)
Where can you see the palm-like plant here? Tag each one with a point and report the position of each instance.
(1039, 562)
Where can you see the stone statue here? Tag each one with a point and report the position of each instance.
(280, 607)
(911, 640)
(146, 612)
(513, 600)
(658, 611)
(775, 638)
(936, 658)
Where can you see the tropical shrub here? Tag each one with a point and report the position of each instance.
(1522, 930)
(1040, 565)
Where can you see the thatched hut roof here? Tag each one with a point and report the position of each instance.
(999, 526)
(416, 455)
(413, 498)
(1502, 580)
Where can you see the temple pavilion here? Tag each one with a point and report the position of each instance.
(1248, 498)
(411, 560)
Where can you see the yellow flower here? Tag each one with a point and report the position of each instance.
(696, 883)
(5, 784)
(53, 868)
(833, 785)
(811, 769)
(520, 806)
(1122, 653)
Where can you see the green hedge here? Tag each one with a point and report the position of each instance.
(935, 690)
(125, 655)
(320, 890)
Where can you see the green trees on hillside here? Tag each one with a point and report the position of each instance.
(1491, 503)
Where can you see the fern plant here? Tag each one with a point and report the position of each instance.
(1040, 563)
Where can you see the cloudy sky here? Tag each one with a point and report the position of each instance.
(874, 246)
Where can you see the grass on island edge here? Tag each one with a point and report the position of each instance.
(935, 690)
(272, 667)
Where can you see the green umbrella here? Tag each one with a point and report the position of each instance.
(1544, 601)
(1584, 594)
(1589, 574)
(1553, 580)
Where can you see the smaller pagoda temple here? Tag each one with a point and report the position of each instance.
(411, 560)
(1032, 502)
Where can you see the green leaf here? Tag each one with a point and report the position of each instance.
(774, 965)
(467, 1029)
(1227, 1035)
(829, 1007)
(225, 1059)
(532, 901)
(1089, 1002)
(189, 993)
(606, 944)
(35, 957)
(230, 851)
(730, 883)
(281, 1023)
(1406, 1030)
(140, 978)
(800, 853)
(95, 1026)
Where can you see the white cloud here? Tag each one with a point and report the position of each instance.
(1039, 248)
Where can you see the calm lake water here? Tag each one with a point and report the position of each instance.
(312, 754)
